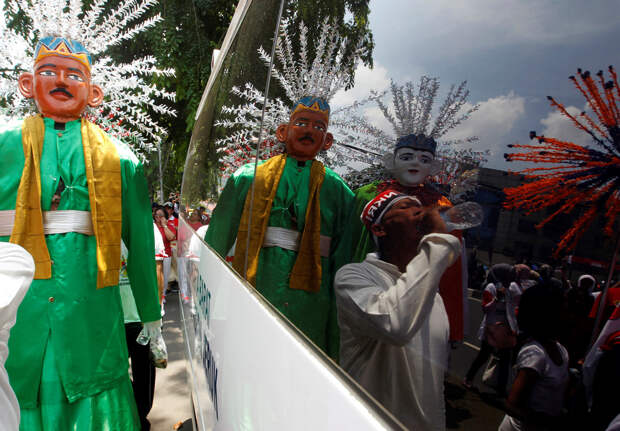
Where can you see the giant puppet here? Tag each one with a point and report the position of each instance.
(68, 194)
(412, 164)
(290, 235)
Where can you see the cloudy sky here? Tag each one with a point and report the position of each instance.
(513, 53)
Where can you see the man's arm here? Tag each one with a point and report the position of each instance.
(397, 313)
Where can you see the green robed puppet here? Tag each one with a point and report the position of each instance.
(298, 219)
(68, 194)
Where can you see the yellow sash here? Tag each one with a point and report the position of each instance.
(306, 272)
(103, 174)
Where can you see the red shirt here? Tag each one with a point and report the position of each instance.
(166, 241)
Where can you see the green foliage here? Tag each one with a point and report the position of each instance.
(184, 41)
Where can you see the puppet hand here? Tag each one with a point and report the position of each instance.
(152, 332)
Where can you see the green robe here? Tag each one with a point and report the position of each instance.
(362, 241)
(83, 324)
(313, 313)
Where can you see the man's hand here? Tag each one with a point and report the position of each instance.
(432, 222)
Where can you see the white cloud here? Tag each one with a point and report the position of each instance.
(556, 125)
(492, 123)
(377, 119)
(366, 79)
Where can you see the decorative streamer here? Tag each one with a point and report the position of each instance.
(578, 179)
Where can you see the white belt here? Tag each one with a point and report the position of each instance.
(53, 222)
(289, 239)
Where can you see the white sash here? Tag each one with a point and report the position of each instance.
(54, 222)
(288, 239)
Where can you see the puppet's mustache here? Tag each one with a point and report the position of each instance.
(61, 90)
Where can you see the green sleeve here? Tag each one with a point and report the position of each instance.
(340, 255)
(137, 234)
(225, 220)
(362, 243)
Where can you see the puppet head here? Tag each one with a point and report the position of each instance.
(413, 159)
(306, 132)
(60, 83)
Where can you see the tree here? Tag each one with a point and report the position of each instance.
(184, 41)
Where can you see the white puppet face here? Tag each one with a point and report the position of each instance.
(411, 167)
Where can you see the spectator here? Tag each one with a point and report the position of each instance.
(537, 395)
(195, 220)
(602, 374)
(204, 217)
(168, 235)
(547, 274)
(577, 329)
(498, 328)
(394, 328)
(524, 276)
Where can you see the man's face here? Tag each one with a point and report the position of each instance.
(404, 219)
(407, 221)
(411, 167)
(61, 88)
(305, 135)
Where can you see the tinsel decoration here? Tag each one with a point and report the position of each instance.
(130, 101)
(413, 106)
(298, 77)
(579, 179)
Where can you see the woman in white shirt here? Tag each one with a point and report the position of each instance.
(537, 395)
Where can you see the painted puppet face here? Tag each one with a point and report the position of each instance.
(411, 167)
(305, 134)
(61, 88)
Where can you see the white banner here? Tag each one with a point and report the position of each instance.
(249, 369)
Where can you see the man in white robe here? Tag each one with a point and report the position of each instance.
(394, 329)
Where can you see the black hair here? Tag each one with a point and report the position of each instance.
(540, 312)
(159, 207)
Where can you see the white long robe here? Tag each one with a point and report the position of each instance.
(16, 272)
(394, 330)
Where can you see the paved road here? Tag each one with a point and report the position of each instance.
(470, 410)
(172, 402)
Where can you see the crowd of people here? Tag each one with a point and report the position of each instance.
(538, 329)
(166, 219)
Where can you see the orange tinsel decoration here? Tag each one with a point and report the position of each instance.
(578, 175)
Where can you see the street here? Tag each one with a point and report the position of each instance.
(466, 409)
